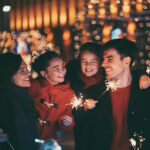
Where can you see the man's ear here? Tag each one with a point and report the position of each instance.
(127, 61)
(43, 74)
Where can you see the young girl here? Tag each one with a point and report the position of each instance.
(51, 95)
(82, 74)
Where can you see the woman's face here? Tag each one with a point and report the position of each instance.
(55, 72)
(22, 77)
(89, 64)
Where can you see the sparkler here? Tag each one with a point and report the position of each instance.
(76, 102)
(136, 141)
(112, 84)
(148, 69)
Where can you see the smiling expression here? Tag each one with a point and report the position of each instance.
(22, 77)
(113, 64)
(55, 72)
(89, 64)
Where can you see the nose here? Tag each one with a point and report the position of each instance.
(103, 64)
(28, 73)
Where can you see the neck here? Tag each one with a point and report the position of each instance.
(125, 79)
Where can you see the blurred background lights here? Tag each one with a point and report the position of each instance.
(6, 8)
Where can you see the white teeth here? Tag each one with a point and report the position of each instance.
(107, 69)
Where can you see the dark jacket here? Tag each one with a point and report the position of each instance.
(100, 122)
(18, 118)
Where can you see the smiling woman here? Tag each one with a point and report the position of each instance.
(18, 116)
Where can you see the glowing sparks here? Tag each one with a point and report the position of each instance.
(76, 102)
(137, 141)
(112, 84)
(148, 69)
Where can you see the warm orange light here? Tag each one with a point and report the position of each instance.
(25, 18)
(54, 13)
(139, 7)
(63, 13)
(46, 13)
(66, 35)
(18, 17)
(106, 30)
(38, 14)
(113, 9)
(31, 15)
(102, 12)
(72, 11)
(131, 28)
(50, 37)
(12, 20)
(81, 15)
(126, 10)
(91, 13)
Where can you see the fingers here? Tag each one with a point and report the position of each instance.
(67, 121)
(3, 137)
(144, 82)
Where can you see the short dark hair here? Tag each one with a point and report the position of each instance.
(124, 47)
(42, 62)
(9, 65)
(92, 47)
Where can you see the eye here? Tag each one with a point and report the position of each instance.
(56, 69)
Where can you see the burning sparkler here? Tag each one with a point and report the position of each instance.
(137, 141)
(76, 102)
(148, 69)
(112, 84)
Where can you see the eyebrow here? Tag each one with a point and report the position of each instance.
(109, 56)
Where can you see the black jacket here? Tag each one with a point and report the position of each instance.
(18, 118)
(100, 121)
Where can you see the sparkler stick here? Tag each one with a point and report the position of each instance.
(10, 145)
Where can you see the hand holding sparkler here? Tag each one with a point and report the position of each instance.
(89, 104)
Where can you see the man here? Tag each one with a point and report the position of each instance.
(121, 119)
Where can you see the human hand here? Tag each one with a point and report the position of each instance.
(66, 121)
(3, 137)
(144, 82)
(89, 104)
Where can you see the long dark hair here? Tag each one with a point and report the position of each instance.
(9, 65)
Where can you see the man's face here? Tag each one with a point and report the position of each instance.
(113, 65)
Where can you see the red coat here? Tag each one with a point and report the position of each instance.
(60, 95)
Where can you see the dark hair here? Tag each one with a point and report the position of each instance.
(42, 62)
(124, 47)
(92, 47)
(9, 65)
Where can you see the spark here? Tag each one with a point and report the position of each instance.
(112, 84)
(76, 102)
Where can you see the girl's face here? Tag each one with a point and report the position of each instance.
(55, 72)
(22, 77)
(89, 64)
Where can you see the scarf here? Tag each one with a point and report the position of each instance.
(89, 81)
